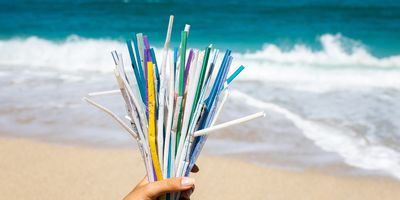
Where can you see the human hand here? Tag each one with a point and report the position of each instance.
(146, 190)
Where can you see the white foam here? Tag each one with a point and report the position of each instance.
(337, 51)
(355, 150)
(73, 54)
(332, 67)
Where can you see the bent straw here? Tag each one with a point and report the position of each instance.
(123, 125)
(229, 124)
(114, 116)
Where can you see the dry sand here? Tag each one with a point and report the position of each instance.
(36, 170)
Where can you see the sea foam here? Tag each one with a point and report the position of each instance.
(340, 63)
(356, 151)
(73, 54)
(76, 53)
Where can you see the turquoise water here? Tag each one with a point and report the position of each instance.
(240, 25)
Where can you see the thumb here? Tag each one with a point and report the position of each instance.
(157, 188)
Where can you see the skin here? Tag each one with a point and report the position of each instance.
(146, 190)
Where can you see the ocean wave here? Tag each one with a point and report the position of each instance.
(340, 63)
(336, 51)
(355, 150)
(73, 54)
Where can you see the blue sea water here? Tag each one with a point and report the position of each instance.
(238, 24)
(327, 73)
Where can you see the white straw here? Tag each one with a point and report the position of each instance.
(170, 109)
(114, 116)
(107, 92)
(162, 96)
(229, 124)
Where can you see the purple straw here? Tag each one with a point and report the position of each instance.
(146, 58)
(146, 42)
(189, 61)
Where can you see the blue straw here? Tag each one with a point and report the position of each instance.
(139, 79)
(218, 80)
(235, 74)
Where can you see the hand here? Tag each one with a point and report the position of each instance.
(150, 191)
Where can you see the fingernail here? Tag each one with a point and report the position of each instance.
(186, 181)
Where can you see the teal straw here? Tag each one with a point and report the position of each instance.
(235, 74)
(139, 79)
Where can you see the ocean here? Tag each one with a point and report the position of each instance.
(327, 74)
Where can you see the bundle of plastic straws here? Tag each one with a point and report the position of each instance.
(171, 105)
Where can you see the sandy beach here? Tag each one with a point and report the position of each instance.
(36, 170)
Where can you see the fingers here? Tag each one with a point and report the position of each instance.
(143, 182)
(195, 169)
(158, 188)
(185, 195)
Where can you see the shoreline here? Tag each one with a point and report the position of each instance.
(48, 171)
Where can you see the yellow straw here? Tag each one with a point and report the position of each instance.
(152, 120)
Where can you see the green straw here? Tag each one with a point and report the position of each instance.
(182, 64)
(201, 78)
(181, 88)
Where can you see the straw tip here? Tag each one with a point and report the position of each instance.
(263, 114)
(187, 27)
